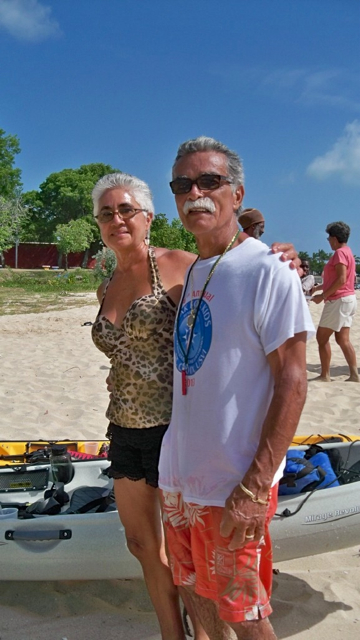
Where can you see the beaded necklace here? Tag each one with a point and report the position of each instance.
(194, 311)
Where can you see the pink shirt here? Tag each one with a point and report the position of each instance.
(341, 256)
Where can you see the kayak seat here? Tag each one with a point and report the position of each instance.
(302, 474)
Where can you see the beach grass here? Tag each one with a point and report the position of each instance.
(34, 291)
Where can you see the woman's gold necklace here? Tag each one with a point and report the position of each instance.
(194, 310)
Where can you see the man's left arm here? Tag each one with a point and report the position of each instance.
(244, 517)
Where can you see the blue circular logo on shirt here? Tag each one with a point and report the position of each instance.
(201, 337)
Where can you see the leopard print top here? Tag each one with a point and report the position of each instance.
(141, 356)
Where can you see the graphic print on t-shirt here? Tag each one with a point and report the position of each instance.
(201, 338)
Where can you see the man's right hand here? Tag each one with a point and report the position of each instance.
(243, 519)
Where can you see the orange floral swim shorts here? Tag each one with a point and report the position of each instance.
(239, 581)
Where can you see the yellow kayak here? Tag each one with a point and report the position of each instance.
(16, 451)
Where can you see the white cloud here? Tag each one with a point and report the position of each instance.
(27, 20)
(342, 160)
(330, 87)
(333, 87)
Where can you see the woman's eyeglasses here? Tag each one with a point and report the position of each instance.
(205, 182)
(125, 212)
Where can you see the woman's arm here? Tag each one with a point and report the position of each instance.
(341, 273)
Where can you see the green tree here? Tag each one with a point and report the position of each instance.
(5, 225)
(318, 261)
(10, 177)
(357, 264)
(186, 240)
(303, 255)
(74, 236)
(160, 231)
(62, 197)
(171, 236)
(13, 215)
(32, 202)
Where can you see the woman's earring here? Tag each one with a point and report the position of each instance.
(147, 237)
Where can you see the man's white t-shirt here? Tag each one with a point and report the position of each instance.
(252, 305)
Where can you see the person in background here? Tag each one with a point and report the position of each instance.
(239, 388)
(338, 294)
(252, 222)
(307, 280)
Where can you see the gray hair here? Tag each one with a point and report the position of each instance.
(203, 143)
(139, 188)
(339, 230)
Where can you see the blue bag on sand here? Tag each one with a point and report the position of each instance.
(301, 474)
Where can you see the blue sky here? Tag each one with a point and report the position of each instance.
(125, 82)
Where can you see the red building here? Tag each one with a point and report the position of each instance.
(36, 255)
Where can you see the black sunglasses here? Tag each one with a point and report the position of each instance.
(205, 182)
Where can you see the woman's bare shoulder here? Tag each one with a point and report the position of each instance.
(173, 264)
(175, 257)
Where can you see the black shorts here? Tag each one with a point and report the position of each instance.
(134, 453)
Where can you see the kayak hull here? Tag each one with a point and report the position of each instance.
(92, 546)
(324, 523)
(88, 546)
(325, 520)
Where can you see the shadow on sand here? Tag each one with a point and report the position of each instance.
(297, 606)
(335, 372)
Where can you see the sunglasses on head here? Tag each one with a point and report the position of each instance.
(205, 182)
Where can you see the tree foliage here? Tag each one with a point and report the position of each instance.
(171, 235)
(5, 226)
(13, 215)
(62, 197)
(318, 261)
(303, 255)
(357, 264)
(74, 236)
(66, 196)
(10, 177)
(105, 263)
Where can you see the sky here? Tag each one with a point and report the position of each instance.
(124, 82)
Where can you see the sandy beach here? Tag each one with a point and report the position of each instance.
(53, 386)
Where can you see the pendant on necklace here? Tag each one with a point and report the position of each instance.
(183, 382)
(190, 320)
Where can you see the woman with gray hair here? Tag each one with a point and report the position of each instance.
(338, 294)
(134, 328)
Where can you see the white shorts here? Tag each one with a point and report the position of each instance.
(338, 313)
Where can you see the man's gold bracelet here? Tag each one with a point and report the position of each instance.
(252, 495)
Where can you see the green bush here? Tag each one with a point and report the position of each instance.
(105, 263)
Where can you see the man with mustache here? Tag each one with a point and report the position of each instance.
(239, 388)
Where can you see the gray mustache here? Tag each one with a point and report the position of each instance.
(201, 203)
